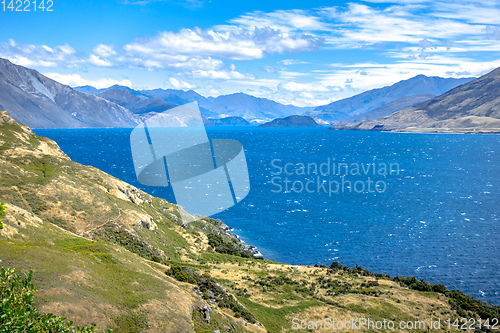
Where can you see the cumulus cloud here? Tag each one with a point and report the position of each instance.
(103, 50)
(179, 84)
(242, 44)
(97, 61)
(75, 80)
(39, 55)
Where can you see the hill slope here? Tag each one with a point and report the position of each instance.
(40, 102)
(107, 254)
(471, 107)
(372, 99)
(389, 108)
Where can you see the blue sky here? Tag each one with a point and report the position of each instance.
(305, 53)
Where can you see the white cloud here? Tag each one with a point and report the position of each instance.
(283, 20)
(308, 87)
(179, 84)
(95, 60)
(475, 12)
(380, 75)
(291, 75)
(219, 75)
(288, 62)
(103, 50)
(31, 55)
(239, 44)
(76, 80)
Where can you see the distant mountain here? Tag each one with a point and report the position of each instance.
(292, 121)
(372, 99)
(471, 107)
(229, 121)
(250, 107)
(136, 104)
(181, 97)
(40, 102)
(88, 90)
(237, 105)
(175, 96)
(389, 108)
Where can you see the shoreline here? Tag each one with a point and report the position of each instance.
(252, 249)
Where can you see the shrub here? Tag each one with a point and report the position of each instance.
(2, 213)
(210, 290)
(17, 313)
(180, 274)
(227, 245)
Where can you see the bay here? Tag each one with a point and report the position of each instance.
(437, 217)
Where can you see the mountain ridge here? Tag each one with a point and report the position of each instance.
(237, 104)
(375, 98)
(41, 102)
(473, 107)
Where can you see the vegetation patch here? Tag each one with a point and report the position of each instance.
(18, 314)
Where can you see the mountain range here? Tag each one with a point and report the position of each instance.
(40, 102)
(470, 107)
(402, 94)
(237, 105)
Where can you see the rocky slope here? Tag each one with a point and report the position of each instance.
(107, 254)
(373, 99)
(40, 102)
(472, 107)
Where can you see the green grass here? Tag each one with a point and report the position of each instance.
(110, 276)
(274, 319)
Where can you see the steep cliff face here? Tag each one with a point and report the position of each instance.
(39, 102)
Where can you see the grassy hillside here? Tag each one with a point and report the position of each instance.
(109, 255)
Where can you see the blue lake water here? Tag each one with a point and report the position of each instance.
(433, 213)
